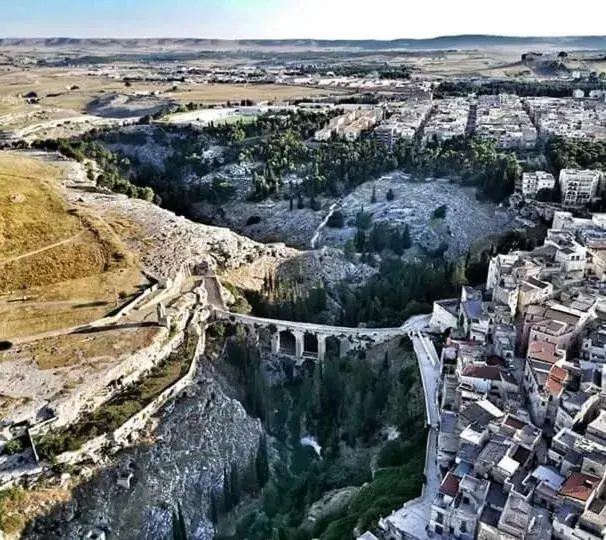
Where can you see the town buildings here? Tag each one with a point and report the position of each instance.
(568, 117)
(578, 187)
(449, 119)
(522, 438)
(350, 125)
(405, 121)
(532, 182)
(503, 119)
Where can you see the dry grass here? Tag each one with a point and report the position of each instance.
(7, 404)
(95, 348)
(65, 253)
(32, 213)
(54, 89)
(67, 304)
(237, 92)
(19, 506)
(45, 81)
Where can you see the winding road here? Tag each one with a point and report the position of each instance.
(413, 517)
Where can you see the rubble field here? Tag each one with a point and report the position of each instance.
(414, 203)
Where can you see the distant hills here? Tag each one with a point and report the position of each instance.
(459, 42)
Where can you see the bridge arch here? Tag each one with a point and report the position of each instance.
(310, 345)
(287, 343)
(333, 346)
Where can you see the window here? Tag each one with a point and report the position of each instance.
(463, 526)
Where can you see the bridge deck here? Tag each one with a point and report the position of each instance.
(316, 328)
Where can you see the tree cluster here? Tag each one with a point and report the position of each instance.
(289, 300)
(520, 88)
(344, 403)
(114, 168)
(565, 153)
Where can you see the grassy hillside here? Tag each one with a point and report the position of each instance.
(59, 265)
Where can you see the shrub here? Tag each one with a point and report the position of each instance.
(336, 220)
(440, 212)
(13, 446)
(253, 220)
(394, 453)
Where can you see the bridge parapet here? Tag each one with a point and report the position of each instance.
(300, 339)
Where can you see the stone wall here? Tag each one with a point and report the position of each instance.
(123, 435)
(105, 321)
(124, 373)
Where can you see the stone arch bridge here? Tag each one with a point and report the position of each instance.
(308, 340)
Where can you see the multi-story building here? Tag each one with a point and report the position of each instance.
(448, 120)
(458, 505)
(350, 125)
(594, 346)
(533, 182)
(567, 117)
(503, 119)
(579, 187)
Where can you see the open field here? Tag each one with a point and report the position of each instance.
(63, 93)
(32, 213)
(60, 265)
(236, 92)
(67, 304)
(493, 63)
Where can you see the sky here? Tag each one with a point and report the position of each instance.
(319, 19)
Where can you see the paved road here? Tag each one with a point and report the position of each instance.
(414, 516)
(213, 291)
(327, 329)
(429, 375)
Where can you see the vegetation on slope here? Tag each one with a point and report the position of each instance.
(344, 404)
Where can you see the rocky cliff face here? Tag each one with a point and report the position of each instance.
(205, 432)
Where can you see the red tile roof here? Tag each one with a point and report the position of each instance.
(450, 485)
(543, 351)
(579, 486)
(555, 380)
(483, 372)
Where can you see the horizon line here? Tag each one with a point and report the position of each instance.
(435, 37)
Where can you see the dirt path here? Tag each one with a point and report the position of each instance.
(316, 235)
(42, 249)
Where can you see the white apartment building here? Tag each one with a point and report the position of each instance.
(533, 182)
(578, 187)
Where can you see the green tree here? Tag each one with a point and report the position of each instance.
(213, 509)
(262, 462)
(179, 528)
(227, 494)
(235, 487)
